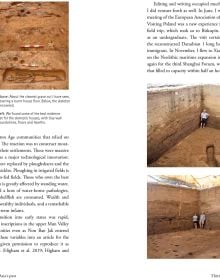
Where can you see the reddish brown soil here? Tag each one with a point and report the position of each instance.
(191, 244)
(44, 27)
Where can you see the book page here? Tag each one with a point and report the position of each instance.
(182, 138)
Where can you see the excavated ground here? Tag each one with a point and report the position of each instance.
(200, 148)
(34, 45)
(195, 243)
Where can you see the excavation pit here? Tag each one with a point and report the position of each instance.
(172, 201)
(193, 151)
(175, 137)
(210, 152)
(29, 42)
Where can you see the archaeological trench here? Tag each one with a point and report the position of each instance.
(174, 134)
(34, 45)
(169, 221)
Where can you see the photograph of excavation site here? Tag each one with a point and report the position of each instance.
(34, 45)
(183, 217)
(178, 135)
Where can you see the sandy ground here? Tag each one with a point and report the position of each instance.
(34, 45)
(191, 151)
(191, 244)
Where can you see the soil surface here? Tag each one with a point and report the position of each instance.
(200, 148)
(34, 45)
(191, 244)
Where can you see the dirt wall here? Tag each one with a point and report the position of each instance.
(211, 102)
(172, 115)
(209, 202)
(170, 208)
